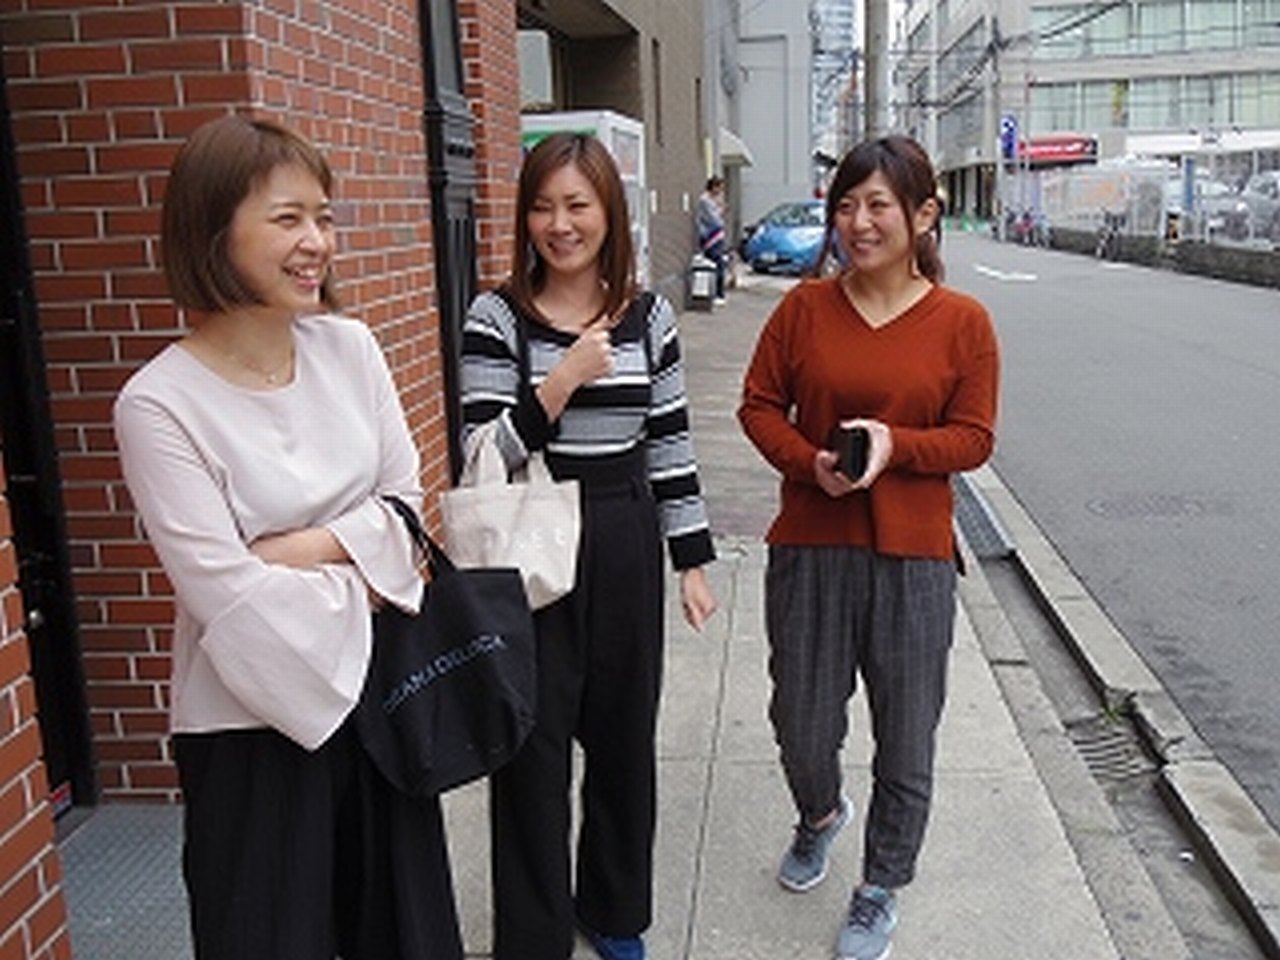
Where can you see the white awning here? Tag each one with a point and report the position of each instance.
(733, 151)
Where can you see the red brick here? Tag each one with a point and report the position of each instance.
(202, 54)
(153, 776)
(31, 29)
(210, 18)
(80, 60)
(94, 379)
(139, 124)
(110, 640)
(20, 896)
(125, 24)
(62, 225)
(37, 129)
(100, 528)
(132, 223)
(64, 289)
(103, 696)
(86, 467)
(136, 723)
(13, 806)
(117, 158)
(49, 918)
(215, 88)
(129, 556)
(104, 255)
(130, 751)
(14, 661)
(52, 161)
(88, 128)
(32, 97)
(182, 121)
(131, 91)
(139, 612)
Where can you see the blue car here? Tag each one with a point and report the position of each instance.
(788, 239)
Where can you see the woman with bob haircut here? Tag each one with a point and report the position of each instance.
(570, 359)
(256, 450)
(862, 564)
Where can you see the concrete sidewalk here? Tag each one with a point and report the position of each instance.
(998, 877)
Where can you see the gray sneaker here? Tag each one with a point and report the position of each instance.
(805, 862)
(873, 913)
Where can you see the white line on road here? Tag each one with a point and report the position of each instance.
(1010, 275)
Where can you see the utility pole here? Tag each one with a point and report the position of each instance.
(931, 114)
(997, 200)
(876, 27)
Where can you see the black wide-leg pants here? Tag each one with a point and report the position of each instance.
(599, 675)
(292, 854)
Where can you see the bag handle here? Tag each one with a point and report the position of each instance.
(438, 561)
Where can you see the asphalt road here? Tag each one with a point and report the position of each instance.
(1138, 427)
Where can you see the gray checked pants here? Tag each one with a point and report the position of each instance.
(832, 613)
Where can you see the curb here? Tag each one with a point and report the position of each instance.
(1236, 838)
(1136, 917)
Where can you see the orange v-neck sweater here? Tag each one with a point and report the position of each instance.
(931, 374)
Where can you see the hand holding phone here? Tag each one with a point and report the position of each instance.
(850, 445)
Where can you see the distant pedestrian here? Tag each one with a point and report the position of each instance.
(571, 359)
(861, 570)
(712, 239)
(257, 449)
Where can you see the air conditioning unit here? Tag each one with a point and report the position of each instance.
(535, 71)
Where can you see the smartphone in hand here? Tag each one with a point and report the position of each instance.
(850, 445)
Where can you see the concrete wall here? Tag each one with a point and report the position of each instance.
(774, 54)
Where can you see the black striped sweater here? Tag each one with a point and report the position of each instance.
(641, 405)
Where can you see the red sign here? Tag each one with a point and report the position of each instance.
(1062, 148)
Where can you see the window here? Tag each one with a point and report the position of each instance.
(1054, 107)
(1159, 26)
(1105, 103)
(1153, 103)
(1211, 24)
(1262, 23)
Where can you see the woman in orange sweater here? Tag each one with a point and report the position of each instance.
(862, 563)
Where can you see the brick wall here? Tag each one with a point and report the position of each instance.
(101, 97)
(492, 76)
(32, 911)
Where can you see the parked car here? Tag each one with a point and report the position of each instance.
(1261, 197)
(787, 239)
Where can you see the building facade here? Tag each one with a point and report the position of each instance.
(1072, 80)
(642, 59)
(97, 101)
(836, 120)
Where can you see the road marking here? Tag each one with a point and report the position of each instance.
(1010, 275)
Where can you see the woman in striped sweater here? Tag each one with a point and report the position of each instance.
(572, 360)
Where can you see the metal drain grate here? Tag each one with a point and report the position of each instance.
(1110, 749)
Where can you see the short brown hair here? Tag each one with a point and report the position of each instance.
(617, 259)
(219, 165)
(906, 166)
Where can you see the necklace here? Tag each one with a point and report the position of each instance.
(272, 376)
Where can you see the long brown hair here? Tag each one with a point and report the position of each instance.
(219, 165)
(616, 260)
(906, 166)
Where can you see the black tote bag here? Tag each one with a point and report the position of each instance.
(451, 692)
